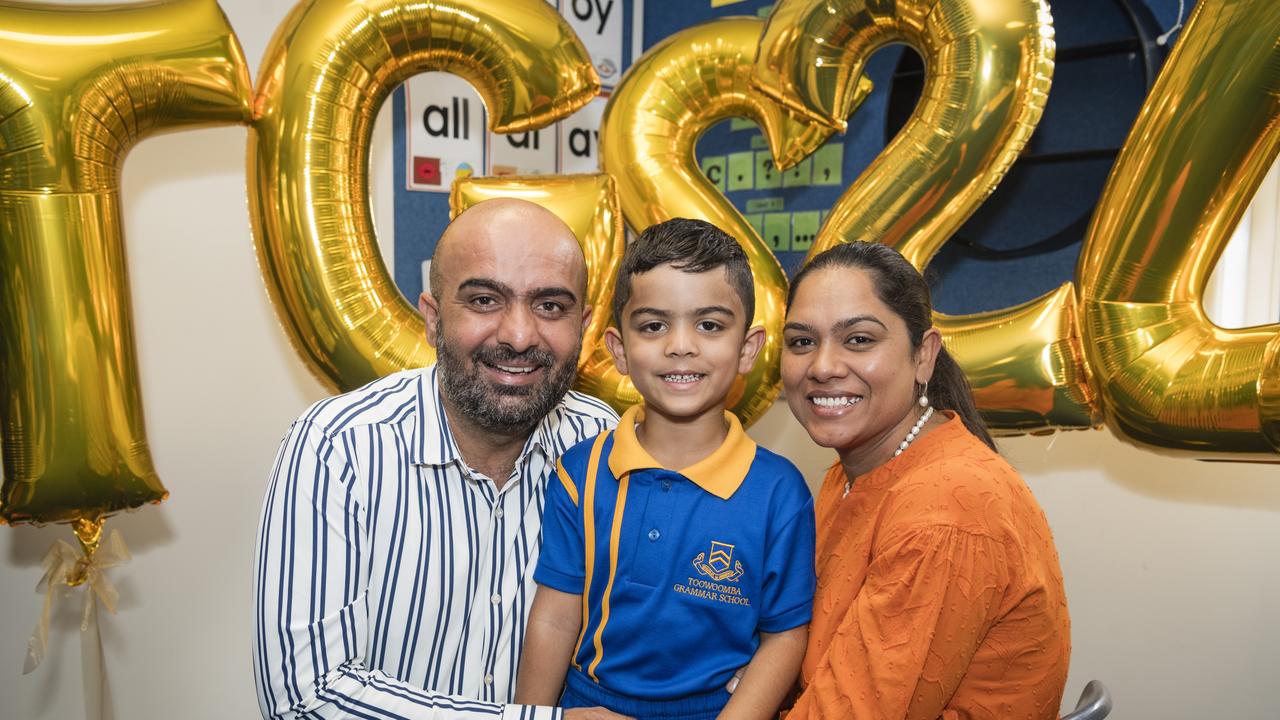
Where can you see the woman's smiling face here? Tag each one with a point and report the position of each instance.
(848, 364)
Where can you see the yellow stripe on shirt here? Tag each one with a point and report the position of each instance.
(588, 535)
(614, 535)
(567, 483)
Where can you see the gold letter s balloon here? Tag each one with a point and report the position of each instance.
(1205, 137)
(79, 86)
(326, 72)
(989, 65)
(681, 87)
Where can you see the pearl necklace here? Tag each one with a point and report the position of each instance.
(911, 436)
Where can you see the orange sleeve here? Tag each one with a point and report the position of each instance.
(905, 642)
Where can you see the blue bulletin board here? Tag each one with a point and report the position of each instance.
(1023, 242)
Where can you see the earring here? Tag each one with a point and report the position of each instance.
(924, 396)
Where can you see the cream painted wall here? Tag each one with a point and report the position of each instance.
(1170, 564)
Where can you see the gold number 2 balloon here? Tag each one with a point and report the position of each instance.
(677, 90)
(1205, 137)
(989, 66)
(326, 72)
(79, 85)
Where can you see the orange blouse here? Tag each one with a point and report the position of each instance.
(939, 592)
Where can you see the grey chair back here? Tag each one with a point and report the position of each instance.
(1094, 704)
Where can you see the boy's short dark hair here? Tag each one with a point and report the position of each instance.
(693, 246)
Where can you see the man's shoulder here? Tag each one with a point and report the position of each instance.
(578, 418)
(389, 399)
(576, 458)
(581, 404)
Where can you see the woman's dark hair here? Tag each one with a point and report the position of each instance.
(901, 287)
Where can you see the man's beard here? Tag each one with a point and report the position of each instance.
(502, 408)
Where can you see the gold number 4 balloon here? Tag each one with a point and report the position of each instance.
(1206, 135)
(79, 86)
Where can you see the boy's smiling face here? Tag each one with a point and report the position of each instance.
(682, 341)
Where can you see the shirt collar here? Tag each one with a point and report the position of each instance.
(543, 436)
(720, 473)
(433, 442)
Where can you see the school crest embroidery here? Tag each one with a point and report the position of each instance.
(720, 565)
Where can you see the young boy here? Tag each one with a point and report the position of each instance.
(675, 551)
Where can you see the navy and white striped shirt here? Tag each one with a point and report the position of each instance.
(390, 579)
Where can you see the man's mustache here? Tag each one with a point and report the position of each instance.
(502, 354)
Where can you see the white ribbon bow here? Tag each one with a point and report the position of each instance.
(65, 568)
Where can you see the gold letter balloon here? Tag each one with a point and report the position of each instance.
(1205, 137)
(79, 85)
(989, 64)
(672, 94)
(326, 72)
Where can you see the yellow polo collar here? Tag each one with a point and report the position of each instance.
(720, 473)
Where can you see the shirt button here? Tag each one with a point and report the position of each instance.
(488, 679)
(496, 599)
(497, 513)
(654, 535)
(666, 485)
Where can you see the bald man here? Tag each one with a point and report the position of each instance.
(396, 549)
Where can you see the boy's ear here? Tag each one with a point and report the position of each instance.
(751, 345)
(613, 341)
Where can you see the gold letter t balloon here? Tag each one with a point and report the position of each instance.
(79, 86)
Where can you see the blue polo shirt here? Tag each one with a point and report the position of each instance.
(679, 570)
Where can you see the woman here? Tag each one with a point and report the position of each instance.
(939, 592)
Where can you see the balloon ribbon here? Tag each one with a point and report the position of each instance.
(64, 567)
